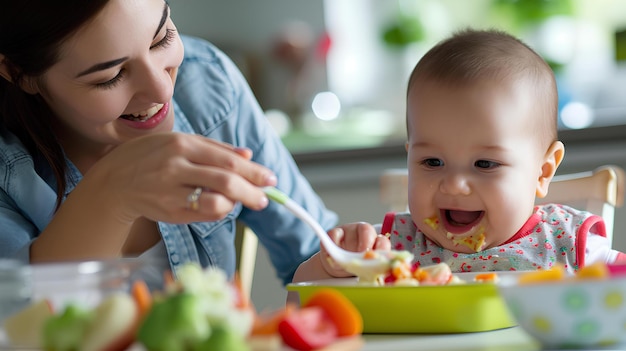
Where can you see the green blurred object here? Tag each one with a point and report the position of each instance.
(530, 12)
(64, 331)
(620, 45)
(177, 323)
(223, 339)
(404, 31)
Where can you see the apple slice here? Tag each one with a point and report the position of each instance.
(114, 325)
(24, 327)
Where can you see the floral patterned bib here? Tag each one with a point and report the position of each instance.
(554, 233)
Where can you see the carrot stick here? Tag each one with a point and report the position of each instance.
(142, 296)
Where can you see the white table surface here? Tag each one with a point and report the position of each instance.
(509, 339)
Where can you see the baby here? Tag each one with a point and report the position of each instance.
(482, 144)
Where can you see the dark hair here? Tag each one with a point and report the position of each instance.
(471, 55)
(32, 33)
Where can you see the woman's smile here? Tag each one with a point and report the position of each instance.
(147, 119)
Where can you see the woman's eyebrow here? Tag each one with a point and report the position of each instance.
(102, 66)
(106, 65)
(163, 19)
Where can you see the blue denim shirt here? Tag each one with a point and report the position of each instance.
(213, 99)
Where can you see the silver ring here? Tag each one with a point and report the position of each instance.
(193, 202)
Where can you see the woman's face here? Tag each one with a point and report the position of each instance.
(115, 77)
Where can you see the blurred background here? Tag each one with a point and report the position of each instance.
(324, 69)
(331, 76)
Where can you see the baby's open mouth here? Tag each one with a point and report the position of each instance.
(143, 116)
(459, 222)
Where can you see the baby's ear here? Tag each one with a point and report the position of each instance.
(551, 162)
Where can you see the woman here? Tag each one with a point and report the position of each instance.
(117, 142)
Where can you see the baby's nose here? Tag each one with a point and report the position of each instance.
(455, 184)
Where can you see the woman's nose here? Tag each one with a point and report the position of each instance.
(455, 184)
(156, 83)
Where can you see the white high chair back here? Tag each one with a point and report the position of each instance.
(599, 191)
(246, 246)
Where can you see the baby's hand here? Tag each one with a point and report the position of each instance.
(352, 237)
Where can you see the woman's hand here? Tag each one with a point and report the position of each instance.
(153, 177)
(352, 237)
(150, 177)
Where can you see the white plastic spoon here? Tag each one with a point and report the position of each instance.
(367, 269)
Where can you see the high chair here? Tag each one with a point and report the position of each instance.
(598, 191)
(246, 245)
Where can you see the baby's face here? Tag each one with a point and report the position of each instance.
(474, 160)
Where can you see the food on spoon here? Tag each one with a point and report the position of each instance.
(23, 328)
(377, 264)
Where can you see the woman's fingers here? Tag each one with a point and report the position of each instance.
(227, 183)
(208, 152)
(155, 177)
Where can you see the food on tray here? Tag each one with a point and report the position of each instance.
(200, 310)
(487, 277)
(597, 270)
(403, 272)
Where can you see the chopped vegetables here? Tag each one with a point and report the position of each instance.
(339, 309)
(24, 327)
(143, 297)
(597, 270)
(200, 310)
(197, 307)
(491, 277)
(308, 329)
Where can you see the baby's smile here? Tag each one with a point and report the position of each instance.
(460, 222)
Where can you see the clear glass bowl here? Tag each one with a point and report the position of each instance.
(83, 283)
